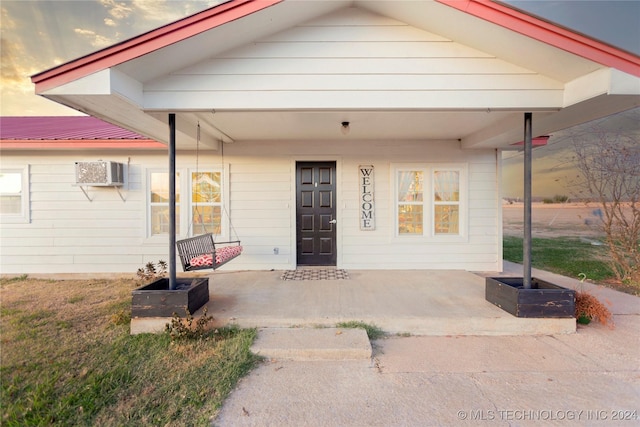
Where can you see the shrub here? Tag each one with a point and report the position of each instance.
(588, 308)
(180, 329)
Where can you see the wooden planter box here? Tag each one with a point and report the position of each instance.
(544, 299)
(157, 300)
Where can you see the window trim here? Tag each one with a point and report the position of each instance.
(223, 223)
(24, 217)
(149, 204)
(187, 204)
(429, 204)
(426, 187)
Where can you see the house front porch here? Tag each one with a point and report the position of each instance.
(417, 302)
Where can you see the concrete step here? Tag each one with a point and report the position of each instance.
(303, 344)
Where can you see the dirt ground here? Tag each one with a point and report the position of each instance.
(554, 220)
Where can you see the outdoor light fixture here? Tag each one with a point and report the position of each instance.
(344, 128)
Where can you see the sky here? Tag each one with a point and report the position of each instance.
(616, 22)
(37, 35)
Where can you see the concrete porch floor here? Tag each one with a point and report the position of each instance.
(413, 302)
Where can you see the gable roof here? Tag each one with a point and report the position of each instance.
(68, 132)
(565, 78)
(490, 11)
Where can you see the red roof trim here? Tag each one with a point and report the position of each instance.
(538, 141)
(549, 33)
(78, 144)
(148, 42)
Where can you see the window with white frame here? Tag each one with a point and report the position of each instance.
(446, 201)
(206, 202)
(202, 202)
(159, 202)
(14, 195)
(410, 185)
(429, 200)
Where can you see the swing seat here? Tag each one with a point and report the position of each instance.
(201, 252)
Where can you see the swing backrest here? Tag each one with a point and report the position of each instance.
(199, 252)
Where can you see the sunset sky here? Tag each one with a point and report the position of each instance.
(40, 34)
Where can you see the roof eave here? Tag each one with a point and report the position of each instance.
(78, 144)
(549, 33)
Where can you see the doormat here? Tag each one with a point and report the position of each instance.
(315, 274)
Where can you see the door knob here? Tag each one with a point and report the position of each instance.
(333, 221)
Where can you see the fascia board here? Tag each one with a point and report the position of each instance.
(606, 81)
(623, 83)
(587, 86)
(105, 82)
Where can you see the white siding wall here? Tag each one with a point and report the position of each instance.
(353, 59)
(263, 205)
(70, 234)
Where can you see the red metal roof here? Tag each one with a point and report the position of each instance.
(68, 132)
(62, 127)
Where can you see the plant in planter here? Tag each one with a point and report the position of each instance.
(589, 308)
(152, 271)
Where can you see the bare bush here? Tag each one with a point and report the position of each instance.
(608, 161)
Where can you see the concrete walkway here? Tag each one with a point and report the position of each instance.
(591, 377)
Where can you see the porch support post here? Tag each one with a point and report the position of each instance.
(526, 245)
(172, 201)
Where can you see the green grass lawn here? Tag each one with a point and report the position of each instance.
(68, 359)
(562, 255)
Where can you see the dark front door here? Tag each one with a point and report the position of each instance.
(316, 213)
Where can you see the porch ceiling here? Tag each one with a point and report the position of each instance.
(470, 129)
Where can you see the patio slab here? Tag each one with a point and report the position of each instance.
(415, 302)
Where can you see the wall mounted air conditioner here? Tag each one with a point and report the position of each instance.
(100, 174)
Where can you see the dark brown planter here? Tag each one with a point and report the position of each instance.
(544, 299)
(157, 300)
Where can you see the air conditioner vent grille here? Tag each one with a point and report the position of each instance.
(99, 173)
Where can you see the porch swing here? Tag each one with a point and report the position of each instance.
(202, 251)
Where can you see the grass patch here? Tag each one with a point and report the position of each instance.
(373, 331)
(563, 255)
(84, 368)
(7, 280)
(75, 299)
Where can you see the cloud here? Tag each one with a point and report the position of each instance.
(110, 22)
(94, 38)
(168, 10)
(17, 90)
(9, 52)
(17, 65)
(7, 22)
(118, 10)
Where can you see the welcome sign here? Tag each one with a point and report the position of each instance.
(366, 184)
